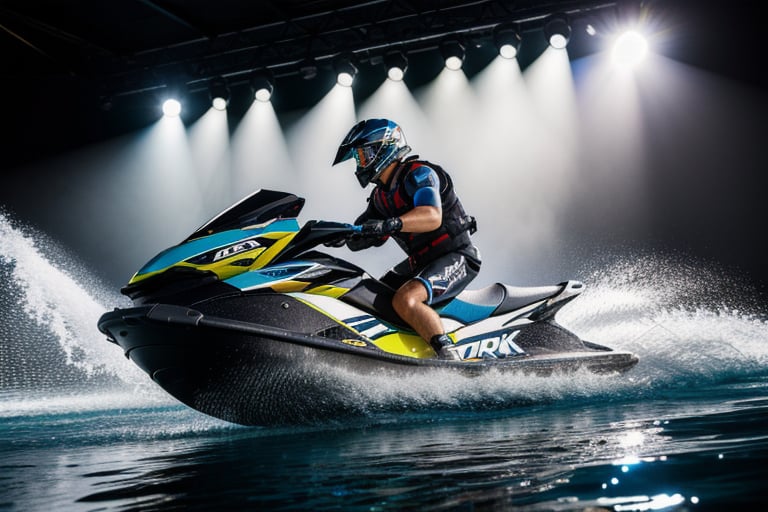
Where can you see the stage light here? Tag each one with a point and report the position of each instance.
(174, 92)
(557, 31)
(218, 92)
(629, 49)
(507, 40)
(345, 71)
(396, 64)
(171, 107)
(262, 84)
(453, 53)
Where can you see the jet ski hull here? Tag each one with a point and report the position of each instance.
(253, 372)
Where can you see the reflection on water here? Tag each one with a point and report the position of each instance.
(569, 456)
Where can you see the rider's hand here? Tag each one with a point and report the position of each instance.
(358, 243)
(336, 243)
(381, 227)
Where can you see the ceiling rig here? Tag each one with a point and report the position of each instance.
(371, 32)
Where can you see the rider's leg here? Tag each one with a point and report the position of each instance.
(436, 282)
(410, 303)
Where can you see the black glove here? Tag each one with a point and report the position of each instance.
(381, 227)
(358, 243)
(336, 243)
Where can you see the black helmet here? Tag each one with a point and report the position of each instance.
(374, 143)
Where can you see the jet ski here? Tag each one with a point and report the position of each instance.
(245, 320)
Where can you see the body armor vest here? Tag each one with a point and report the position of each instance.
(456, 226)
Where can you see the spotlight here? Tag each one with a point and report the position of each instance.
(630, 49)
(171, 107)
(557, 31)
(396, 64)
(218, 92)
(345, 71)
(453, 53)
(262, 84)
(175, 91)
(507, 40)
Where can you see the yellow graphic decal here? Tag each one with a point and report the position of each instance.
(404, 344)
(328, 290)
(355, 343)
(289, 286)
(269, 254)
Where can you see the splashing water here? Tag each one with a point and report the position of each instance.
(63, 312)
(687, 323)
(682, 321)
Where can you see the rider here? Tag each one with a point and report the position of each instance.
(414, 202)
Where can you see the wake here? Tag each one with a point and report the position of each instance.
(684, 323)
(687, 324)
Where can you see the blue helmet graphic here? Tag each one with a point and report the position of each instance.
(374, 144)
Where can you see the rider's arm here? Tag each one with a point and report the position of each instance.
(423, 185)
(422, 219)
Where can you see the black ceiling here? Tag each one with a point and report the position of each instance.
(126, 46)
(72, 56)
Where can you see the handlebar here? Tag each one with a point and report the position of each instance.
(334, 234)
(338, 228)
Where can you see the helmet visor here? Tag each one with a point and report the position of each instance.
(366, 154)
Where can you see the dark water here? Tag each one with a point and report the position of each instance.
(703, 449)
(82, 429)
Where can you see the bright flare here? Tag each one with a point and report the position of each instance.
(630, 49)
(171, 108)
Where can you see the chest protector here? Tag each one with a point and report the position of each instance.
(456, 226)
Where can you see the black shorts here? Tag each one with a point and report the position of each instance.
(444, 277)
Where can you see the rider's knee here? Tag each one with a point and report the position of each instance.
(409, 296)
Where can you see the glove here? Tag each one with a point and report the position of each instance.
(381, 227)
(358, 243)
(336, 243)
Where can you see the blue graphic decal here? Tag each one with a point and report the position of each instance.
(466, 312)
(267, 276)
(364, 326)
(192, 248)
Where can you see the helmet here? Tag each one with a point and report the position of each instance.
(374, 143)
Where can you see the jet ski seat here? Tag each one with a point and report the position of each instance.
(373, 296)
(495, 299)
(521, 296)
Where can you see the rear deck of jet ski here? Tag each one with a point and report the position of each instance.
(375, 297)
